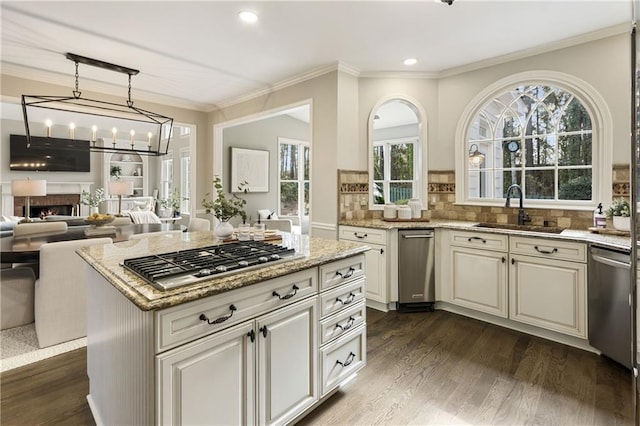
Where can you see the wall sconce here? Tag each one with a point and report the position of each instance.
(476, 158)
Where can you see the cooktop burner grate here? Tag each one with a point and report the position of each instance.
(169, 270)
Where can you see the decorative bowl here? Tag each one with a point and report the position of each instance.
(99, 220)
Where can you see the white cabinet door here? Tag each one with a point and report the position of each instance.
(210, 381)
(548, 293)
(479, 280)
(376, 273)
(287, 362)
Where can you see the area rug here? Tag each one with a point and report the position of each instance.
(19, 346)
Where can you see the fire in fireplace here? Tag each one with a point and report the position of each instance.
(43, 211)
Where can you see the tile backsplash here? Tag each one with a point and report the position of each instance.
(353, 202)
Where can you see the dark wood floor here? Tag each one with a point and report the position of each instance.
(423, 368)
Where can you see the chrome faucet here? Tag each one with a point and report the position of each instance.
(522, 216)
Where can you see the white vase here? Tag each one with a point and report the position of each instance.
(93, 210)
(223, 230)
(622, 223)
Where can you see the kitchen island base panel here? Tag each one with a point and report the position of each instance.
(120, 356)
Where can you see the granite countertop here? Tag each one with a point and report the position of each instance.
(602, 240)
(107, 259)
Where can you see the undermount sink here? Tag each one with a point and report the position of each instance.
(528, 228)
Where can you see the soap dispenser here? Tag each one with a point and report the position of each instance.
(599, 218)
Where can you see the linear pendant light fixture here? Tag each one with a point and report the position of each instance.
(154, 129)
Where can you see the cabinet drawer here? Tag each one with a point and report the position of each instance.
(342, 358)
(548, 248)
(182, 323)
(483, 240)
(340, 323)
(334, 300)
(363, 235)
(341, 271)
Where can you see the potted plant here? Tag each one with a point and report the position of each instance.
(175, 200)
(620, 212)
(225, 208)
(92, 200)
(115, 172)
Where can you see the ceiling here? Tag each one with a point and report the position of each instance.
(199, 55)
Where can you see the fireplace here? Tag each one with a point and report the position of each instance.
(42, 211)
(54, 204)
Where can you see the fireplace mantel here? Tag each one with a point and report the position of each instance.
(52, 188)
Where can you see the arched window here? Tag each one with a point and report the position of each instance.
(540, 136)
(395, 142)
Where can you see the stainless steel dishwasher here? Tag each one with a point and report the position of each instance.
(416, 272)
(610, 304)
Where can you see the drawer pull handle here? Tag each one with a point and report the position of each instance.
(349, 273)
(348, 361)
(348, 325)
(360, 236)
(477, 238)
(222, 319)
(264, 331)
(286, 296)
(252, 335)
(555, 250)
(347, 300)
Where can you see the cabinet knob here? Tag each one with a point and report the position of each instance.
(504, 259)
(513, 261)
(264, 331)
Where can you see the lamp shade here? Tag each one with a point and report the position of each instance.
(121, 187)
(28, 188)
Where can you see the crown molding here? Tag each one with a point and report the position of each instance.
(400, 74)
(292, 81)
(537, 50)
(66, 80)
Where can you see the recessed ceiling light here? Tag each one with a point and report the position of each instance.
(247, 16)
(410, 61)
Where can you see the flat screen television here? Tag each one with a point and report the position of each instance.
(49, 154)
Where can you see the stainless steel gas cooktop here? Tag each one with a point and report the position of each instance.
(170, 270)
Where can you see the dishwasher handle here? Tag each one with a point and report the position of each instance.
(417, 236)
(610, 262)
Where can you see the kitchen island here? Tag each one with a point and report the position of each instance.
(263, 346)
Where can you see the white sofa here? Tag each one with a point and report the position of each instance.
(60, 292)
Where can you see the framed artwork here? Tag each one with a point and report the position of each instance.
(251, 166)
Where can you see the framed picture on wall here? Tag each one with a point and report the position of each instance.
(251, 166)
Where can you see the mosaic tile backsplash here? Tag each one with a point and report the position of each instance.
(353, 203)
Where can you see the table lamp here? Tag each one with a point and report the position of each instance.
(28, 188)
(120, 188)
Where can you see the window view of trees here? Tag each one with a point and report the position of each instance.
(393, 171)
(537, 136)
(294, 178)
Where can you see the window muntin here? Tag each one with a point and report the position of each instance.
(395, 170)
(185, 181)
(293, 177)
(540, 137)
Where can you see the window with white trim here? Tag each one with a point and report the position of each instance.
(293, 177)
(540, 137)
(394, 170)
(185, 180)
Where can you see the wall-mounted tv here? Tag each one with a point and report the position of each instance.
(49, 154)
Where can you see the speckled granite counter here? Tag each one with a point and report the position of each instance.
(107, 261)
(601, 240)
